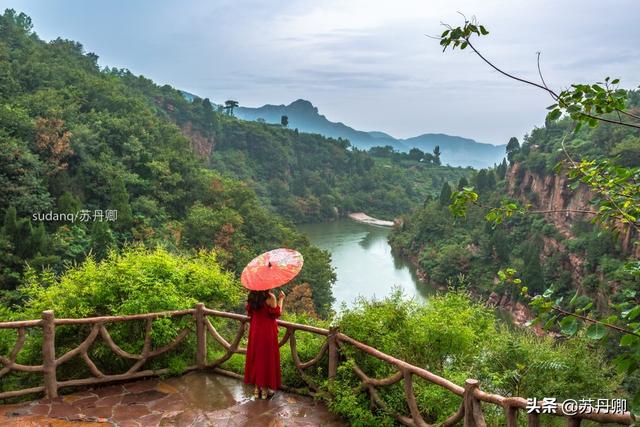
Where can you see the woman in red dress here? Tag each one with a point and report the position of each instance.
(262, 364)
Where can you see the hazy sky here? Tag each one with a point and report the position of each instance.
(366, 63)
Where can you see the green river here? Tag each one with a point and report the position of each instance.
(363, 261)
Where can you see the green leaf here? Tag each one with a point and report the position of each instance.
(573, 300)
(628, 340)
(596, 331)
(633, 313)
(569, 325)
(554, 115)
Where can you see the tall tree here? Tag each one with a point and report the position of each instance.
(463, 182)
(101, 239)
(445, 194)
(501, 170)
(513, 147)
(284, 121)
(482, 183)
(120, 203)
(229, 105)
(436, 155)
(416, 154)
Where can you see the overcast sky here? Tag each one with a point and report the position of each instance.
(367, 63)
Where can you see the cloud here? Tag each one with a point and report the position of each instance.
(358, 60)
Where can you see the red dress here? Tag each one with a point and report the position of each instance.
(262, 364)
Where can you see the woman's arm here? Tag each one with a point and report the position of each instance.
(271, 301)
(281, 296)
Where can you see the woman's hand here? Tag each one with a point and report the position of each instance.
(281, 299)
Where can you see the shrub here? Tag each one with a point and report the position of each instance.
(138, 280)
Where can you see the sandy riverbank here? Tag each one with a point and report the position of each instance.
(366, 219)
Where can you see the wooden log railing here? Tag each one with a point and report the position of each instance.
(470, 412)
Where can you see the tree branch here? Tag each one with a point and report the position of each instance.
(511, 76)
(588, 319)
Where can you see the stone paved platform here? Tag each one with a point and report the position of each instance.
(196, 399)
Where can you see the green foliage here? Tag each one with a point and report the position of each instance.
(445, 194)
(138, 280)
(454, 337)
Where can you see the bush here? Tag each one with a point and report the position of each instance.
(138, 280)
(456, 338)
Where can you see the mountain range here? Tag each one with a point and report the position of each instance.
(303, 115)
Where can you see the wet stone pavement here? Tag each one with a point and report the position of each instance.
(195, 399)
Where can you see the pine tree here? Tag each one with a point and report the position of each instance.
(445, 194)
(532, 275)
(38, 240)
(481, 181)
(101, 239)
(462, 183)
(436, 155)
(501, 170)
(513, 146)
(120, 202)
(491, 179)
(10, 224)
(68, 203)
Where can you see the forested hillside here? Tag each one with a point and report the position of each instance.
(303, 177)
(559, 246)
(83, 141)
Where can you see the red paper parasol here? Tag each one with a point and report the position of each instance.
(271, 269)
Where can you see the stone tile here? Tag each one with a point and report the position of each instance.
(123, 413)
(85, 401)
(142, 397)
(173, 402)
(166, 388)
(72, 398)
(108, 401)
(40, 409)
(64, 411)
(98, 412)
(141, 386)
(151, 420)
(108, 390)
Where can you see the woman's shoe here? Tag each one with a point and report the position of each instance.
(269, 394)
(256, 393)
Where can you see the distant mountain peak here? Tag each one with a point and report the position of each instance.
(304, 116)
(303, 105)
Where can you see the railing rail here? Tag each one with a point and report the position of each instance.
(469, 413)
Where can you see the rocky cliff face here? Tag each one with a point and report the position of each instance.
(202, 146)
(552, 193)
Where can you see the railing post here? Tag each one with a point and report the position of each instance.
(333, 352)
(201, 336)
(49, 354)
(512, 416)
(472, 411)
(574, 422)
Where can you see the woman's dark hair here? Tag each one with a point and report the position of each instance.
(257, 299)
